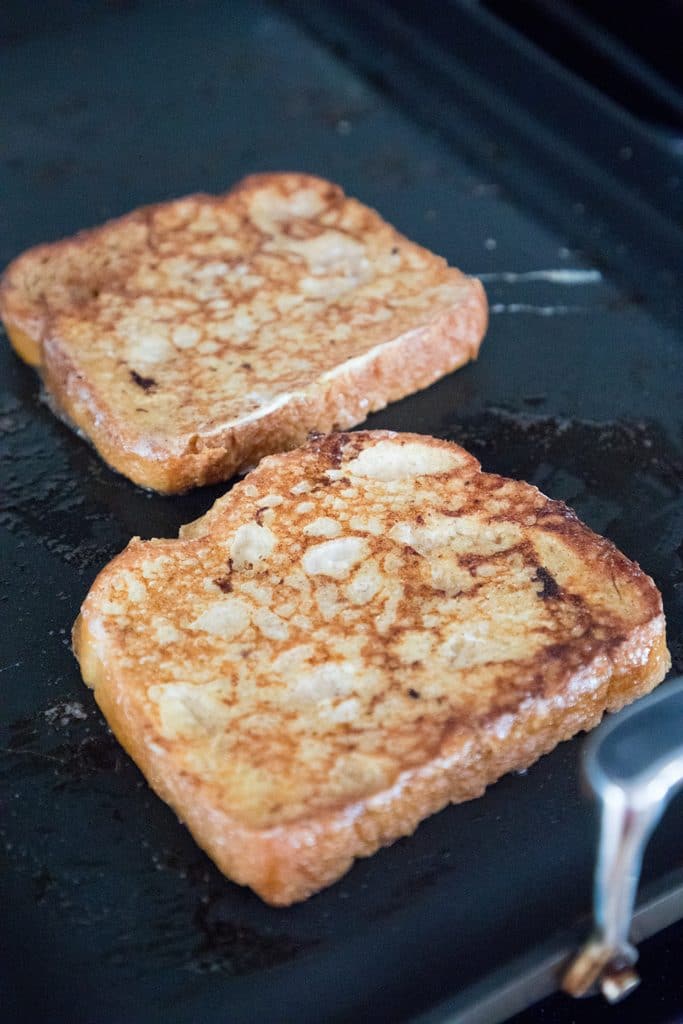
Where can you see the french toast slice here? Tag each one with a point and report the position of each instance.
(360, 632)
(188, 339)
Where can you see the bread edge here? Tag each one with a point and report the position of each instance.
(286, 864)
(336, 400)
(25, 345)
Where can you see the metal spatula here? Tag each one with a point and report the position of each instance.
(634, 765)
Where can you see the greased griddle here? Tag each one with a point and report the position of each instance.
(110, 911)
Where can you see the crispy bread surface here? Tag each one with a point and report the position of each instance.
(188, 339)
(358, 633)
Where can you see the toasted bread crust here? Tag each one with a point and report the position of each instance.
(374, 316)
(288, 864)
(576, 629)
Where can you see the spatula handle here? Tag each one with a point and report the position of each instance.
(634, 765)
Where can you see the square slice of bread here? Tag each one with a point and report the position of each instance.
(187, 340)
(360, 632)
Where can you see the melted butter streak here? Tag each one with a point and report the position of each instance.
(524, 307)
(564, 276)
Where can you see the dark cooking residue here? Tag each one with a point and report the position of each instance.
(604, 454)
(90, 756)
(83, 749)
(233, 947)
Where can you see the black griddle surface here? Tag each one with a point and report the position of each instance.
(110, 911)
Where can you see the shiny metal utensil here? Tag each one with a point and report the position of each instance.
(634, 765)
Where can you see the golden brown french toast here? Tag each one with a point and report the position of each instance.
(361, 631)
(188, 339)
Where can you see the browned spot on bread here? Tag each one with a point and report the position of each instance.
(550, 588)
(332, 448)
(146, 383)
